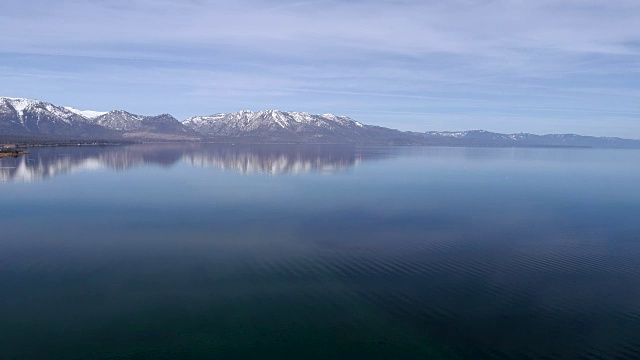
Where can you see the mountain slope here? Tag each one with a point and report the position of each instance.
(132, 126)
(32, 118)
(269, 121)
(294, 127)
(26, 116)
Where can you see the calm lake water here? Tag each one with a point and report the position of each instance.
(312, 252)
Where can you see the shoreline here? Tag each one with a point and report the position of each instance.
(13, 154)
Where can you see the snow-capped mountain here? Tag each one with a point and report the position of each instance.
(291, 127)
(244, 122)
(27, 119)
(29, 113)
(132, 126)
(119, 120)
(124, 121)
(27, 116)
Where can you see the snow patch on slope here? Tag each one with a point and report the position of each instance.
(19, 105)
(89, 114)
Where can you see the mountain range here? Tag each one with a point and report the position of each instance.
(27, 120)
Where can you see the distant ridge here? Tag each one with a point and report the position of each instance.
(28, 119)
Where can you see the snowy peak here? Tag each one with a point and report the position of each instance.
(32, 113)
(119, 120)
(19, 104)
(88, 114)
(269, 120)
(67, 114)
(27, 116)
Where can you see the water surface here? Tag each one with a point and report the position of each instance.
(212, 251)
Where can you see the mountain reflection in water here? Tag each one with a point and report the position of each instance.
(398, 253)
(43, 163)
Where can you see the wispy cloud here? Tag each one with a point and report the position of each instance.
(457, 57)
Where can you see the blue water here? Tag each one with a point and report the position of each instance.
(221, 251)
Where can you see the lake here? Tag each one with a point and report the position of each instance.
(181, 251)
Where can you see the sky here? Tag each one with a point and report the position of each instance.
(539, 66)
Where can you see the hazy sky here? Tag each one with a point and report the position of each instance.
(542, 66)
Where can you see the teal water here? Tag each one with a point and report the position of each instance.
(214, 252)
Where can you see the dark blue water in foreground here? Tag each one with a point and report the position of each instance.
(272, 252)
